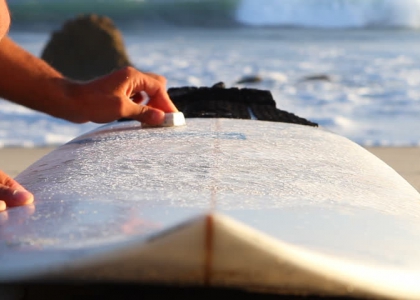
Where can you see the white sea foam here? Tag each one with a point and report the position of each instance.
(330, 13)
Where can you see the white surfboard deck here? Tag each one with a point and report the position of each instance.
(257, 205)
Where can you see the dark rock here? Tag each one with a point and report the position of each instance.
(220, 85)
(86, 47)
(249, 79)
(320, 77)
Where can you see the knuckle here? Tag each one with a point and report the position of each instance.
(6, 180)
(161, 79)
(126, 71)
(9, 182)
(130, 69)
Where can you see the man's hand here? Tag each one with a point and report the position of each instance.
(12, 193)
(33, 83)
(118, 95)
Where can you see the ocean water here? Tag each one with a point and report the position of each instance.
(370, 50)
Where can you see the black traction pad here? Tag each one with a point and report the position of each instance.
(220, 102)
(233, 103)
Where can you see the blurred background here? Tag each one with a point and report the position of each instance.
(353, 66)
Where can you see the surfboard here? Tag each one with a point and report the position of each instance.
(252, 205)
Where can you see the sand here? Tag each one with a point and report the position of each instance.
(404, 160)
(15, 160)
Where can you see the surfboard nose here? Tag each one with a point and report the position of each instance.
(214, 250)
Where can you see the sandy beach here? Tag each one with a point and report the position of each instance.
(404, 160)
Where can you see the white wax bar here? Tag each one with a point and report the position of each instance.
(171, 119)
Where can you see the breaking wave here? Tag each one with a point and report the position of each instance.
(222, 13)
(331, 13)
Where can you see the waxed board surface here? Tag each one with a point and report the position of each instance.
(299, 184)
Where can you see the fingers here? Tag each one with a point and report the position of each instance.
(147, 114)
(6, 180)
(120, 95)
(162, 102)
(12, 193)
(13, 197)
(154, 86)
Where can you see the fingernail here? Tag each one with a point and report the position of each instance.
(22, 197)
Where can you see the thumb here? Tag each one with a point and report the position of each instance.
(14, 197)
(147, 114)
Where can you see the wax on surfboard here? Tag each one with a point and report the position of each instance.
(246, 204)
(170, 120)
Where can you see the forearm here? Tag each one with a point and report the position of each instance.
(29, 81)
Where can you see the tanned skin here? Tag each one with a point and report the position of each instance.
(30, 81)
